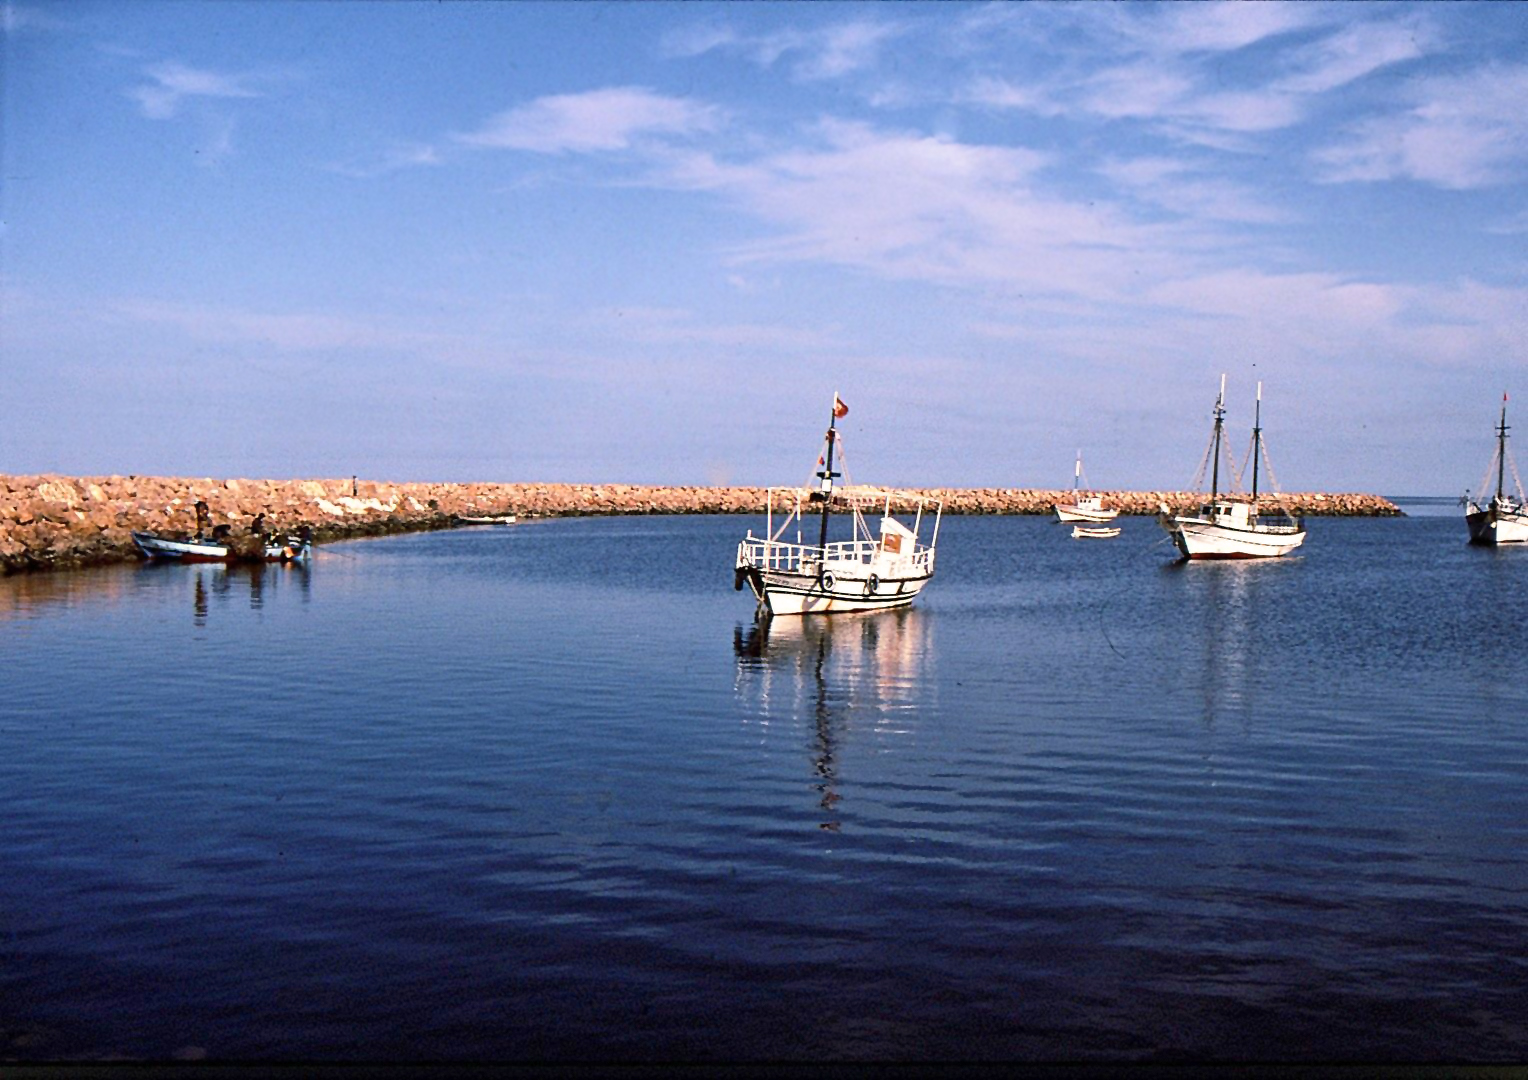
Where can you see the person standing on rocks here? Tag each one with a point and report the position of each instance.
(203, 518)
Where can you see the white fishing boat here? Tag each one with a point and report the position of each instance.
(1084, 532)
(872, 569)
(1502, 519)
(1230, 526)
(1082, 507)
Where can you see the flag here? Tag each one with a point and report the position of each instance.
(839, 408)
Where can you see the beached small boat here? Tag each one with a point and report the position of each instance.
(1227, 527)
(1096, 532)
(1082, 507)
(873, 569)
(485, 519)
(200, 548)
(1502, 519)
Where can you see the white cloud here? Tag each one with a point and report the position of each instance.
(917, 207)
(1463, 131)
(1215, 27)
(609, 119)
(395, 157)
(172, 83)
(1177, 186)
(844, 49)
(1355, 51)
(827, 53)
(281, 331)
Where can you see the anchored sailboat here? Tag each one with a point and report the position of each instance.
(1082, 507)
(867, 572)
(1231, 528)
(1503, 520)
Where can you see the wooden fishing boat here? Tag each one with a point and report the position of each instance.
(1501, 519)
(1084, 532)
(871, 570)
(1230, 527)
(201, 548)
(485, 519)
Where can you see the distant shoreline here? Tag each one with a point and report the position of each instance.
(54, 522)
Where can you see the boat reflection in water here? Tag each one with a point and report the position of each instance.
(222, 583)
(865, 674)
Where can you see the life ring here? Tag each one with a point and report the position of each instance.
(872, 585)
(827, 581)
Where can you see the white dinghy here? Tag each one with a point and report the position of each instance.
(870, 570)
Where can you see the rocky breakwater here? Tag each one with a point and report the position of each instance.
(1041, 500)
(57, 521)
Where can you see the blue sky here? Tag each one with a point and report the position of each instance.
(646, 242)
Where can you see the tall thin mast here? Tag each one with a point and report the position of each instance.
(1257, 440)
(1077, 473)
(827, 474)
(1501, 450)
(1220, 413)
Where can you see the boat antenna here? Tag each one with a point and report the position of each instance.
(1257, 440)
(1220, 417)
(826, 474)
(1077, 475)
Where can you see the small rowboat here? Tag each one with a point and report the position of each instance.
(1081, 533)
(204, 549)
(486, 519)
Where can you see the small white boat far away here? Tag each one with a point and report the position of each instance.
(1082, 507)
(1083, 532)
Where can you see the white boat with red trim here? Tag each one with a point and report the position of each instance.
(871, 570)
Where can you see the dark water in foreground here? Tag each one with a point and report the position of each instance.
(546, 792)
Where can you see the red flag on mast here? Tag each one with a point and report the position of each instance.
(839, 408)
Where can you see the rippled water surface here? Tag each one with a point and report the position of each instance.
(548, 792)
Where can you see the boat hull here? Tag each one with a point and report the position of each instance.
(784, 593)
(1493, 526)
(1067, 514)
(1080, 532)
(1200, 539)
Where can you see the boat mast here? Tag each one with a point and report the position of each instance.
(1501, 450)
(1257, 441)
(1077, 474)
(1220, 414)
(826, 474)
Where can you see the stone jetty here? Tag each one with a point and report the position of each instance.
(59, 521)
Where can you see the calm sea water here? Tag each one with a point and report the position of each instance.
(548, 792)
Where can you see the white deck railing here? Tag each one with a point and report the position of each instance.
(764, 554)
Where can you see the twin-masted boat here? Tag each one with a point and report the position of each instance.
(1230, 527)
(870, 570)
(1502, 519)
(1085, 508)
